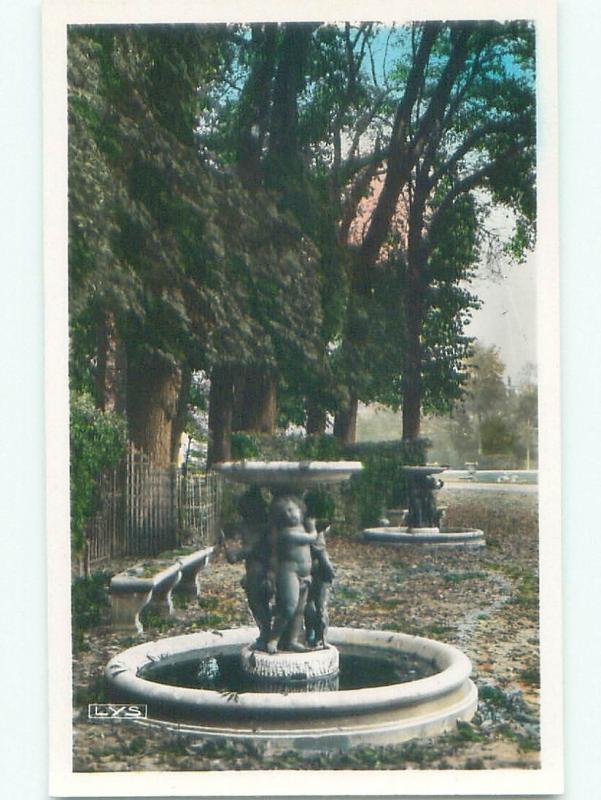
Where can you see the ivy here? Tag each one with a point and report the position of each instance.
(98, 440)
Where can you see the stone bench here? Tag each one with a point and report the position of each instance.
(134, 589)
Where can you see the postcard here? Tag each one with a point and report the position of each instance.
(302, 384)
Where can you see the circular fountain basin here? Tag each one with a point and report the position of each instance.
(430, 537)
(301, 474)
(308, 720)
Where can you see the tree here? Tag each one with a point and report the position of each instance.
(462, 140)
(142, 210)
(179, 264)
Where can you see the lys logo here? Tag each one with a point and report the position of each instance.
(117, 711)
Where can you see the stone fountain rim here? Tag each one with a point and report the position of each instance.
(122, 674)
(287, 472)
(395, 533)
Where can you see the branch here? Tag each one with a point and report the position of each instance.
(399, 166)
(434, 114)
(498, 126)
(470, 182)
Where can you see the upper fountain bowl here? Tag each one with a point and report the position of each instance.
(288, 473)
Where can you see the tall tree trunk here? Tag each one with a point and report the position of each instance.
(345, 422)
(239, 389)
(111, 365)
(153, 392)
(259, 407)
(316, 419)
(221, 400)
(411, 382)
(254, 104)
(411, 385)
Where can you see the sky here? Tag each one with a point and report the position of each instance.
(507, 318)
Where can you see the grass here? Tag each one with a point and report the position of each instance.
(457, 577)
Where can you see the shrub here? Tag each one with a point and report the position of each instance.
(89, 604)
(382, 484)
(98, 440)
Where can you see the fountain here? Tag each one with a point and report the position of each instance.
(293, 681)
(423, 517)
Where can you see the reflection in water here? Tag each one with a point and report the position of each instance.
(223, 673)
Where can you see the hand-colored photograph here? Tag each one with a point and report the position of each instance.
(301, 299)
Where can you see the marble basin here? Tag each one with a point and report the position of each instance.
(302, 474)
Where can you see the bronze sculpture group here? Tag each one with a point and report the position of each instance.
(288, 574)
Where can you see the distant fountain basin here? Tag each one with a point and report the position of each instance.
(423, 518)
(432, 537)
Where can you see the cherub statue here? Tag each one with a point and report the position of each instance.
(259, 580)
(293, 537)
(316, 609)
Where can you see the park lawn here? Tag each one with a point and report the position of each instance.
(484, 601)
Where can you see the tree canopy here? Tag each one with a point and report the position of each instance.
(296, 209)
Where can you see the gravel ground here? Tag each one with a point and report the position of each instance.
(484, 601)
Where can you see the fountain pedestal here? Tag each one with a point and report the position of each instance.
(280, 669)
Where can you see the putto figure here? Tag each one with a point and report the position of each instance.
(288, 572)
(293, 539)
(259, 580)
(316, 609)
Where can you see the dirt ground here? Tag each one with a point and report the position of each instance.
(483, 601)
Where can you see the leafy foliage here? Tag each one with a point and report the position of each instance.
(285, 197)
(89, 604)
(97, 440)
(381, 484)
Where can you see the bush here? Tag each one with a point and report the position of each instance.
(98, 440)
(264, 447)
(382, 484)
(89, 604)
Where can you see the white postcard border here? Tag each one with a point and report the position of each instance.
(63, 782)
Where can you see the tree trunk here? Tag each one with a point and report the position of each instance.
(110, 367)
(221, 400)
(411, 385)
(411, 381)
(256, 402)
(316, 419)
(153, 392)
(239, 389)
(345, 423)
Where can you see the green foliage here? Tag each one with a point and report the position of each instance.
(97, 444)
(381, 484)
(215, 171)
(244, 446)
(89, 604)
(320, 504)
(319, 448)
(496, 422)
